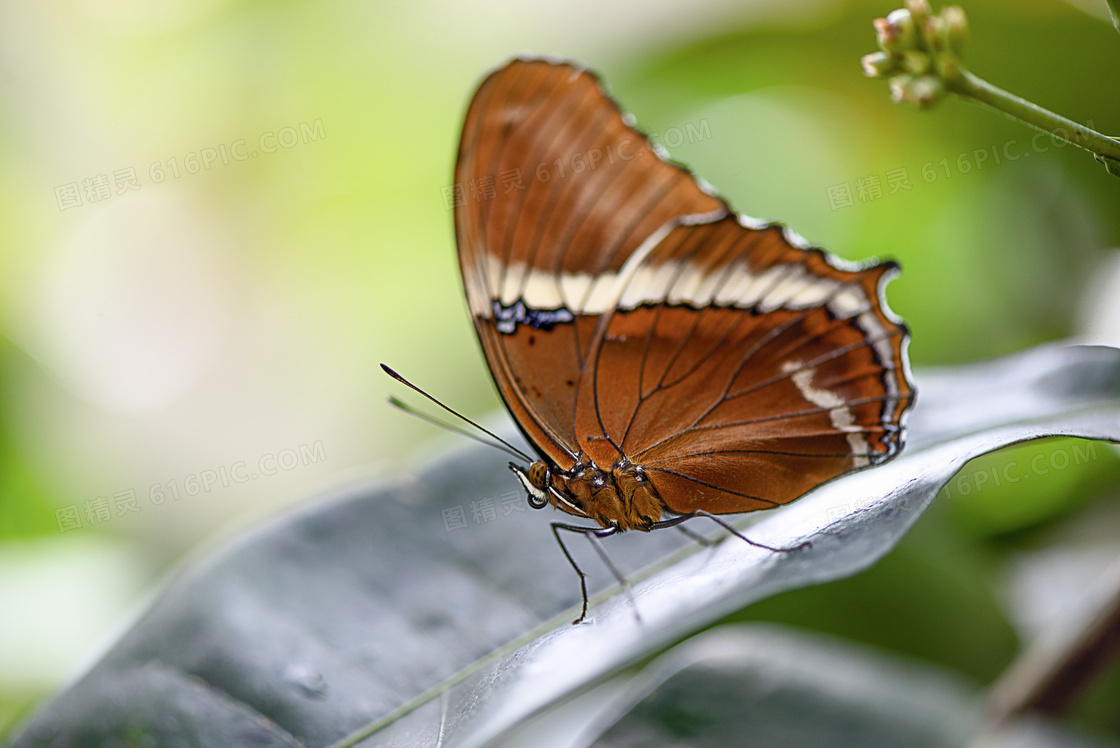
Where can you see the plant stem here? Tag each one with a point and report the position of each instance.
(1114, 11)
(1048, 676)
(1106, 149)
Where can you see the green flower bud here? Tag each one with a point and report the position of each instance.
(956, 28)
(895, 33)
(936, 33)
(919, 9)
(920, 90)
(879, 64)
(903, 24)
(915, 62)
(900, 87)
(883, 34)
(926, 90)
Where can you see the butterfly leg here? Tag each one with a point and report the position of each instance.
(697, 536)
(593, 538)
(676, 521)
(593, 534)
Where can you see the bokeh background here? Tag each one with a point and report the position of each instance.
(218, 216)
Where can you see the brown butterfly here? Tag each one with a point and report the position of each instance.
(666, 357)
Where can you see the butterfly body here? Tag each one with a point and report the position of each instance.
(622, 497)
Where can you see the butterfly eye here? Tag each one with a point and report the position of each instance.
(538, 474)
(535, 480)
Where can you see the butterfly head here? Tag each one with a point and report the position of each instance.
(547, 485)
(622, 497)
(537, 480)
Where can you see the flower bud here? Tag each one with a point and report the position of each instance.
(920, 90)
(878, 64)
(956, 28)
(915, 62)
(936, 33)
(919, 11)
(900, 87)
(926, 90)
(895, 33)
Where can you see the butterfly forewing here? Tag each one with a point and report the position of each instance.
(558, 193)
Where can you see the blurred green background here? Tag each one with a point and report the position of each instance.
(218, 217)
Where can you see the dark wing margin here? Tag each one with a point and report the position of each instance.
(554, 193)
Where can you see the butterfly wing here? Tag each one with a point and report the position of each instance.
(555, 192)
(741, 370)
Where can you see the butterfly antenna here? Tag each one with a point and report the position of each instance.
(408, 409)
(450, 427)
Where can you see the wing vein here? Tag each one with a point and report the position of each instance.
(713, 485)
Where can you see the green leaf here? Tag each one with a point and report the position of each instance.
(773, 687)
(361, 620)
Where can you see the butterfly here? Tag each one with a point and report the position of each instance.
(666, 357)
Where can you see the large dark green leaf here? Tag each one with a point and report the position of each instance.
(360, 619)
(771, 687)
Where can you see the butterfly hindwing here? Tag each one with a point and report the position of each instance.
(741, 370)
